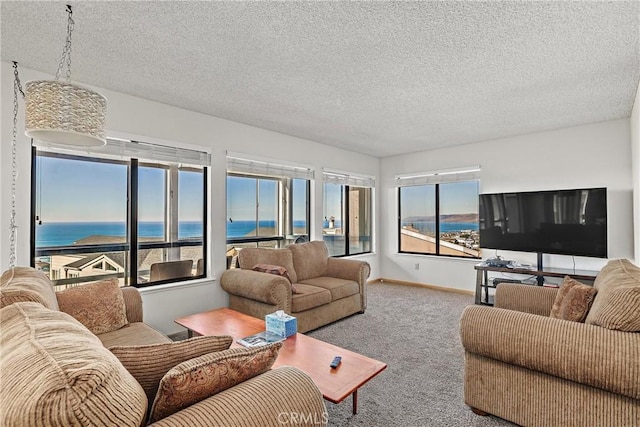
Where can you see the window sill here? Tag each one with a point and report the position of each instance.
(172, 286)
(440, 257)
(363, 255)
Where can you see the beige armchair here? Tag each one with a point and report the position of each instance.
(534, 370)
(317, 289)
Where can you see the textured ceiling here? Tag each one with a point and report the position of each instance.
(380, 78)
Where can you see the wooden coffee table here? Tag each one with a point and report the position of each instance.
(308, 354)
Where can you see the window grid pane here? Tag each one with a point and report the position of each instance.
(91, 239)
(459, 235)
(440, 219)
(332, 230)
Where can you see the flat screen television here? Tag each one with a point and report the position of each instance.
(565, 222)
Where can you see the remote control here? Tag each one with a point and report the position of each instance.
(335, 362)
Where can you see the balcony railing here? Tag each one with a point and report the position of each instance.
(88, 266)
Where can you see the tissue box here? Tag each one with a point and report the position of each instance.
(281, 324)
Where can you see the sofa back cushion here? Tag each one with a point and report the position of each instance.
(54, 371)
(22, 284)
(250, 257)
(617, 303)
(310, 259)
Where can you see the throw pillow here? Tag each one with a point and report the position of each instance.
(567, 284)
(99, 306)
(195, 380)
(54, 372)
(149, 363)
(577, 302)
(278, 271)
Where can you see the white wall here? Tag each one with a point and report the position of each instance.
(155, 122)
(595, 155)
(635, 150)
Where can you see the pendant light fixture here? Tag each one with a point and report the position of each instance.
(64, 113)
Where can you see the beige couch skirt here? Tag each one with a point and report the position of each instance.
(532, 398)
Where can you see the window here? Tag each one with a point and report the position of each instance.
(267, 204)
(347, 211)
(438, 214)
(106, 213)
(252, 207)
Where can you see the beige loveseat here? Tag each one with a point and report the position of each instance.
(55, 372)
(317, 289)
(535, 370)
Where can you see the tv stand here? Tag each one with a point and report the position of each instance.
(484, 282)
(540, 279)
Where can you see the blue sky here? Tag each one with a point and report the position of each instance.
(73, 190)
(332, 200)
(455, 198)
(241, 199)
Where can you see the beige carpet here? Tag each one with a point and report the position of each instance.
(416, 332)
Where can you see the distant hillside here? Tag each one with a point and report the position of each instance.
(470, 217)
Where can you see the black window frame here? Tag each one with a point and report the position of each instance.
(132, 243)
(345, 220)
(278, 239)
(437, 225)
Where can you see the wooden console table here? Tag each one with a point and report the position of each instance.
(483, 283)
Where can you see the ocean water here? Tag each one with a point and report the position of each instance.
(66, 233)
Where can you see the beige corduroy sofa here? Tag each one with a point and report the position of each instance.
(55, 372)
(327, 289)
(533, 370)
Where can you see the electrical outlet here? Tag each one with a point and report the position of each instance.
(417, 266)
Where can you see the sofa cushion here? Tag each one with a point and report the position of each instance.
(573, 301)
(27, 284)
(249, 257)
(310, 259)
(339, 288)
(204, 376)
(617, 303)
(54, 371)
(309, 297)
(137, 333)
(149, 363)
(99, 306)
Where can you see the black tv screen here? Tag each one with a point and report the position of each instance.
(565, 222)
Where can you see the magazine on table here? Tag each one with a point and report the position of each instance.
(261, 338)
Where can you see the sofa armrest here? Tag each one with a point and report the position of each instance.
(578, 352)
(351, 269)
(526, 298)
(133, 303)
(258, 286)
(282, 396)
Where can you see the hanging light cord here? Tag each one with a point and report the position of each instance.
(66, 51)
(13, 228)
